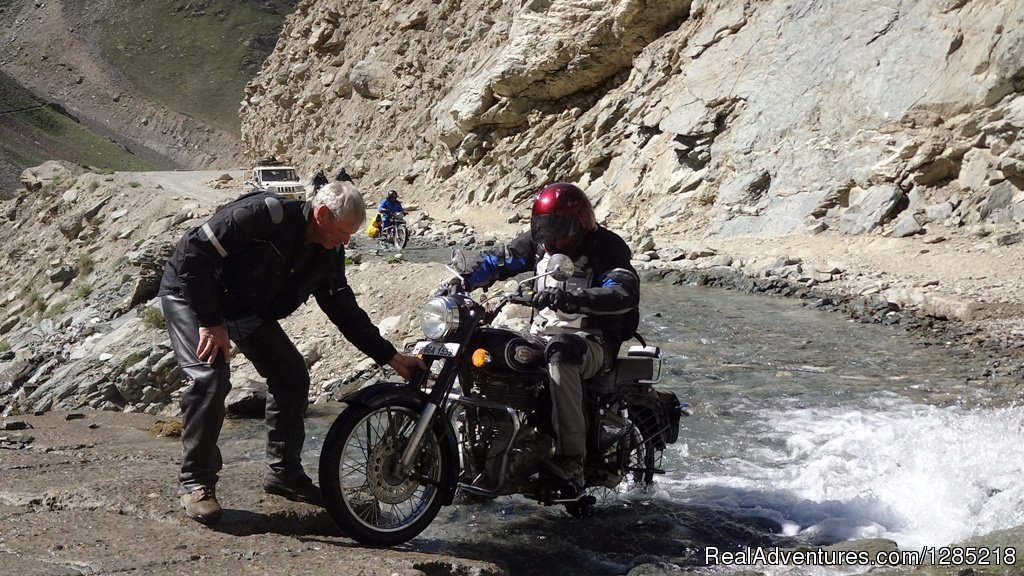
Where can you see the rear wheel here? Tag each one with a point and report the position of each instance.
(640, 461)
(362, 489)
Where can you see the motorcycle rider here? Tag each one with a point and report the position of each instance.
(319, 179)
(252, 263)
(388, 207)
(343, 176)
(584, 319)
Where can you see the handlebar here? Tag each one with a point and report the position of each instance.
(520, 299)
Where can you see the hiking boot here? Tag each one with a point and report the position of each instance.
(297, 488)
(568, 469)
(201, 505)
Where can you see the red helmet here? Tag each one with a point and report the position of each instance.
(562, 218)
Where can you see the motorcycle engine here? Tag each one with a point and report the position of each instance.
(517, 394)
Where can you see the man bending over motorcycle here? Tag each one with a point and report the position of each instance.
(251, 264)
(584, 319)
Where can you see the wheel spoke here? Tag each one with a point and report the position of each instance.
(374, 496)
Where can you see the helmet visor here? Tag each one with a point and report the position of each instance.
(556, 232)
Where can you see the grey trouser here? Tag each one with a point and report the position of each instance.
(571, 359)
(202, 404)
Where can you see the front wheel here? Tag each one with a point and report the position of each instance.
(400, 237)
(362, 489)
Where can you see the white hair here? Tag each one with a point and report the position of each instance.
(343, 199)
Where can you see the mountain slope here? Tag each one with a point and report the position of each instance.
(162, 78)
(33, 131)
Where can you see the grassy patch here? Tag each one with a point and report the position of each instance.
(32, 132)
(83, 291)
(220, 43)
(86, 264)
(134, 184)
(4, 345)
(152, 318)
(36, 301)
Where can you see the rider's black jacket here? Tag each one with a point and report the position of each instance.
(251, 258)
(320, 180)
(614, 295)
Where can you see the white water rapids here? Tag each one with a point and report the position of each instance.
(919, 475)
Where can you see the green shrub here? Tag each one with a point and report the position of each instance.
(152, 318)
(4, 345)
(135, 184)
(86, 263)
(36, 301)
(83, 290)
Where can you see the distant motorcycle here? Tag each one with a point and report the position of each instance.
(481, 424)
(319, 180)
(395, 232)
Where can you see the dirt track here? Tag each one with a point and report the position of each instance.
(96, 495)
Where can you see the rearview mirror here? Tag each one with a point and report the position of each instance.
(560, 267)
(459, 261)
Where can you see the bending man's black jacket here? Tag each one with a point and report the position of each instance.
(251, 259)
(613, 298)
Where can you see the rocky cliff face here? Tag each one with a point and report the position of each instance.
(679, 117)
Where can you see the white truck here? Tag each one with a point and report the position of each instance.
(270, 175)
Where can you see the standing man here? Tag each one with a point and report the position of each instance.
(251, 264)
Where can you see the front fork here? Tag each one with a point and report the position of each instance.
(438, 394)
(413, 447)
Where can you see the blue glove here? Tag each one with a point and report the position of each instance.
(556, 299)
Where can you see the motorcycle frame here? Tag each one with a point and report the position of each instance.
(470, 316)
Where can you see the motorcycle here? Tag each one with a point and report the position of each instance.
(395, 233)
(481, 424)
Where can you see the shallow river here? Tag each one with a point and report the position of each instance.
(808, 428)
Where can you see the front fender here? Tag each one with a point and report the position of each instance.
(384, 393)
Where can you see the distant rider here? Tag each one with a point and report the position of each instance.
(388, 207)
(319, 180)
(584, 318)
(343, 176)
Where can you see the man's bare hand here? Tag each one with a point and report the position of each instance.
(213, 340)
(406, 365)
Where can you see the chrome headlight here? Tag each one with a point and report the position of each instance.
(440, 317)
